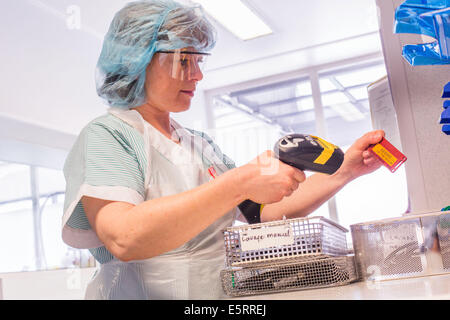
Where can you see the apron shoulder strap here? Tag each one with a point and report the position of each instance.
(225, 159)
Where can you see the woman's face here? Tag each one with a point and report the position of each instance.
(166, 92)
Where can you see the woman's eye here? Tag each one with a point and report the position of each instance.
(184, 62)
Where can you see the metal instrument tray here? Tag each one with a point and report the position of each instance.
(316, 272)
(288, 239)
(408, 246)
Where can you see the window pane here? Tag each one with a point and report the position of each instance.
(359, 93)
(303, 88)
(31, 236)
(16, 219)
(362, 75)
(56, 254)
(250, 121)
(326, 85)
(50, 181)
(17, 241)
(347, 113)
(15, 181)
(323, 210)
(333, 98)
(379, 195)
(244, 143)
(305, 104)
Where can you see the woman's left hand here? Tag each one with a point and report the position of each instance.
(358, 160)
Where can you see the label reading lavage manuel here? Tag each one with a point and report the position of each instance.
(272, 236)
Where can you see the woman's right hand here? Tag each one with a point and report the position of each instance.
(266, 179)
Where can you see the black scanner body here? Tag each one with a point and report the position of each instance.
(309, 153)
(305, 152)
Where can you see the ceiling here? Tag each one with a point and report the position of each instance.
(296, 24)
(49, 67)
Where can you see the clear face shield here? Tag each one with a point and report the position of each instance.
(182, 64)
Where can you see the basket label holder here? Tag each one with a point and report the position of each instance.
(262, 238)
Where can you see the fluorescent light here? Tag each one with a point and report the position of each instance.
(236, 17)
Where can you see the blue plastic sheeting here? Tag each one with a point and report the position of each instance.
(446, 92)
(430, 18)
(445, 116)
(446, 129)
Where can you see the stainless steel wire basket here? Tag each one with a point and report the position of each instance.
(289, 239)
(315, 272)
(408, 246)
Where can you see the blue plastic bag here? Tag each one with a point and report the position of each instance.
(446, 92)
(430, 18)
(445, 116)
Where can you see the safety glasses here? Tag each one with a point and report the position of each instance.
(182, 64)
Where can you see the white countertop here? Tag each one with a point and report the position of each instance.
(436, 287)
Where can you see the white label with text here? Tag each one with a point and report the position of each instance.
(262, 238)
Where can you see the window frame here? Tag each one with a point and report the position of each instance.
(38, 200)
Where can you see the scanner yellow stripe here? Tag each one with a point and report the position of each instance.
(324, 156)
(328, 149)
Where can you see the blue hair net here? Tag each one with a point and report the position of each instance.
(139, 30)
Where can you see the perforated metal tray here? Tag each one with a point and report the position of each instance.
(318, 272)
(314, 236)
(408, 246)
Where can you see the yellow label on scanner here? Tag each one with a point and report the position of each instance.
(384, 154)
(328, 149)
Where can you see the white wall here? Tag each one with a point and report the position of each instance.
(416, 93)
(47, 69)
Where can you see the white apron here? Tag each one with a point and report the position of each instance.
(192, 270)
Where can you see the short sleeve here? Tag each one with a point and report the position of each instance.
(108, 161)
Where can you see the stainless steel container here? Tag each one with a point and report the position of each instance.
(308, 273)
(409, 246)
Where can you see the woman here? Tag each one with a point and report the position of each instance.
(140, 194)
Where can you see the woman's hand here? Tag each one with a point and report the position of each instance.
(358, 160)
(266, 179)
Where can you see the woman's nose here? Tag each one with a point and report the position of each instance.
(196, 74)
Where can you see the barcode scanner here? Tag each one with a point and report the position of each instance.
(304, 152)
(309, 153)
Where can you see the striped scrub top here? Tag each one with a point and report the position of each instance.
(107, 161)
